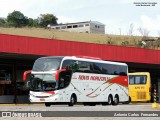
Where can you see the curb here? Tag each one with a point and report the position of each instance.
(22, 104)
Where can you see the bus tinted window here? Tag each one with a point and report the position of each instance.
(114, 69)
(67, 63)
(140, 80)
(133, 79)
(98, 68)
(83, 66)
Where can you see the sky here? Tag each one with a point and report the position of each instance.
(117, 15)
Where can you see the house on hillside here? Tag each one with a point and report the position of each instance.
(82, 27)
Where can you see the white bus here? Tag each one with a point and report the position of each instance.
(72, 79)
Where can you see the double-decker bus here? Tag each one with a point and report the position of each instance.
(72, 79)
(140, 87)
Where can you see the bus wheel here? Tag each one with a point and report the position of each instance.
(47, 104)
(116, 100)
(110, 100)
(73, 100)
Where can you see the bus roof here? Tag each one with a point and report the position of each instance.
(87, 58)
(139, 73)
(93, 59)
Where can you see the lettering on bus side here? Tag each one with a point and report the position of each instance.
(140, 87)
(96, 78)
(83, 77)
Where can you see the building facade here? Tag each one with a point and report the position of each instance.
(82, 27)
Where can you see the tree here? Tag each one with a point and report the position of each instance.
(2, 22)
(143, 31)
(17, 19)
(46, 19)
(33, 22)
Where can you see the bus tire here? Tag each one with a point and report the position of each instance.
(110, 100)
(115, 100)
(47, 104)
(73, 100)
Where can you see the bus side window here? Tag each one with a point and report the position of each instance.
(96, 68)
(66, 63)
(131, 80)
(142, 80)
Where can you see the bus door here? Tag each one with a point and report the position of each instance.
(63, 83)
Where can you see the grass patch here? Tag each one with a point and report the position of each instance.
(122, 40)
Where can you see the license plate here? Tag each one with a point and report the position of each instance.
(42, 99)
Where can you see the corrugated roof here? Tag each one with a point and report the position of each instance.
(95, 22)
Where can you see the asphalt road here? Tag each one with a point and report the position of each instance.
(79, 112)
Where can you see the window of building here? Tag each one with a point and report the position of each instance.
(86, 24)
(81, 25)
(63, 27)
(57, 27)
(69, 26)
(75, 26)
(97, 26)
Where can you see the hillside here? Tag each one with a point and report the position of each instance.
(80, 37)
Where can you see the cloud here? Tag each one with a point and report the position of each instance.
(64, 19)
(150, 23)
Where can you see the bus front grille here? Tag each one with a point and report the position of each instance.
(141, 95)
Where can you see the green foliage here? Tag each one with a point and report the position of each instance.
(2, 22)
(46, 19)
(33, 22)
(125, 43)
(17, 19)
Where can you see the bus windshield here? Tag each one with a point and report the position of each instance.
(47, 64)
(137, 79)
(43, 82)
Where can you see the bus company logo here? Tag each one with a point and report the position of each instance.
(6, 114)
(94, 78)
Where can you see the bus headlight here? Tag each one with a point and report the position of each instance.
(32, 95)
(53, 95)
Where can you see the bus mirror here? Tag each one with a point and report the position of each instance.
(58, 73)
(66, 68)
(25, 74)
(28, 84)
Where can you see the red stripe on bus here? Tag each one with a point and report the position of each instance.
(122, 80)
